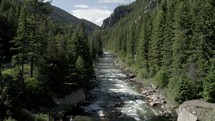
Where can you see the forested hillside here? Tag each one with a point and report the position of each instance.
(62, 16)
(171, 42)
(40, 60)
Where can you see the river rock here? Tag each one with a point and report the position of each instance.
(72, 99)
(101, 114)
(196, 110)
(153, 103)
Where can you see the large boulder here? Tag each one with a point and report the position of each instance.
(196, 110)
(72, 99)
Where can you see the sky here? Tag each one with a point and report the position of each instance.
(92, 10)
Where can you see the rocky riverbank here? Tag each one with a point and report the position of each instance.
(118, 97)
(150, 92)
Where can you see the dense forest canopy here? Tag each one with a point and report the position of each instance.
(44, 56)
(41, 59)
(172, 42)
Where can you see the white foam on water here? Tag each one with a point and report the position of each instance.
(93, 107)
(111, 82)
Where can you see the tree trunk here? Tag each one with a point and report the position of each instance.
(22, 68)
(1, 99)
(32, 67)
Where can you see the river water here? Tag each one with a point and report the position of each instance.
(115, 98)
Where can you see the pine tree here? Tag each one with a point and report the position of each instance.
(209, 83)
(79, 46)
(208, 40)
(130, 46)
(15, 94)
(3, 6)
(40, 12)
(1, 79)
(82, 72)
(143, 46)
(96, 45)
(21, 42)
(156, 42)
(181, 38)
(83, 49)
(168, 38)
(184, 90)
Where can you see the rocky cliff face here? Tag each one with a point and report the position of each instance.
(196, 110)
(131, 12)
(118, 13)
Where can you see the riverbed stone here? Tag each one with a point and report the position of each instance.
(72, 99)
(196, 110)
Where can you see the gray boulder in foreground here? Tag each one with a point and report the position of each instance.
(196, 110)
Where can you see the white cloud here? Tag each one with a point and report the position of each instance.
(112, 1)
(95, 15)
(81, 6)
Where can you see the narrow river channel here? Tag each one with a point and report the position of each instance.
(115, 98)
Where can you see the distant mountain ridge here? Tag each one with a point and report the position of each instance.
(62, 16)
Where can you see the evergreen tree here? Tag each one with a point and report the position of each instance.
(184, 90)
(1, 87)
(3, 6)
(130, 46)
(143, 46)
(40, 12)
(156, 42)
(181, 38)
(15, 94)
(82, 72)
(209, 84)
(84, 50)
(168, 38)
(96, 44)
(21, 42)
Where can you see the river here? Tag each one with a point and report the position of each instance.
(115, 98)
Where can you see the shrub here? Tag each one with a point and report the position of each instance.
(143, 73)
(180, 89)
(161, 79)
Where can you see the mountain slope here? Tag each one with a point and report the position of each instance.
(168, 41)
(65, 17)
(132, 12)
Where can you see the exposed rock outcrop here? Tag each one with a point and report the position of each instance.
(196, 110)
(72, 99)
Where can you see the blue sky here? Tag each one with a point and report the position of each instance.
(93, 10)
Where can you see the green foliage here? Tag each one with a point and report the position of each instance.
(81, 68)
(143, 73)
(161, 79)
(14, 92)
(155, 55)
(209, 84)
(42, 117)
(44, 59)
(33, 85)
(184, 90)
(96, 45)
(182, 35)
(9, 119)
(21, 42)
(143, 45)
(171, 41)
(61, 16)
(180, 89)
